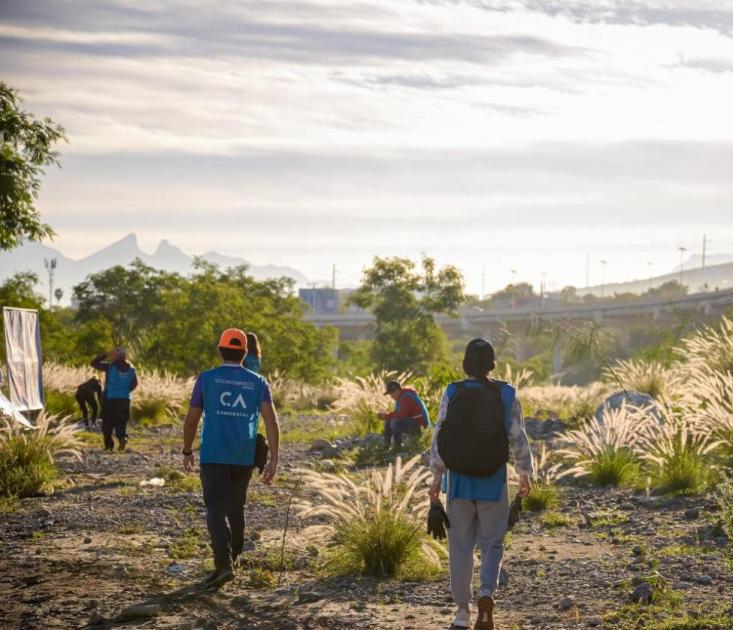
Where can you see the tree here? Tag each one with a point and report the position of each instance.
(25, 148)
(404, 301)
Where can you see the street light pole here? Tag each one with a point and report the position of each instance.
(682, 264)
(603, 276)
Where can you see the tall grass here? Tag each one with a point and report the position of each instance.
(544, 493)
(724, 496)
(604, 450)
(650, 377)
(27, 464)
(374, 525)
(677, 457)
(571, 404)
(710, 348)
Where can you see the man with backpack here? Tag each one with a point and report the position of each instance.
(479, 424)
(230, 398)
(410, 414)
(120, 379)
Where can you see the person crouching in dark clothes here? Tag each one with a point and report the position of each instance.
(87, 395)
(119, 381)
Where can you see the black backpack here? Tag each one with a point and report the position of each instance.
(472, 439)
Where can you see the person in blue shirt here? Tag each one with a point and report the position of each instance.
(253, 360)
(120, 380)
(230, 399)
(478, 507)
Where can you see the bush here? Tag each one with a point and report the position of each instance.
(60, 403)
(150, 411)
(551, 520)
(27, 456)
(375, 526)
(650, 378)
(613, 467)
(541, 497)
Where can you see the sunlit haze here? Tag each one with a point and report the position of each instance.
(520, 134)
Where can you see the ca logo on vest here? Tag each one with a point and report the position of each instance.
(225, 400)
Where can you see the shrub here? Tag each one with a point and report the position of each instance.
(572, 404)
(152, 411)
(603, 449)
(710, 348)
(375, 526)
(552, 520)
(541, 497)
(27, 455)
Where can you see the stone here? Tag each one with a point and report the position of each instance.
(692, 514)
(630, 399)
(308, 597)
(330, 451)
(566, 603)
(140, 611)
(638, 550)
(320, 444)
(328, 466)
(87, 540)
(95, 619)
(682, 585)
(642, 594)
(705, 580)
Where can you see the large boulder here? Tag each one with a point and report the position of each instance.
(630, 399)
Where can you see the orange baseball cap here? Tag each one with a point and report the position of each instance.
(234, 339)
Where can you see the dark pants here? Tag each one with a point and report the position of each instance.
(87, 398)
(115, 415)
(225, 493)
(395, 428)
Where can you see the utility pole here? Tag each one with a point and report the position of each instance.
(50, 266)
(704, 254)
(682, 264)
(651, 264)
(603, 276)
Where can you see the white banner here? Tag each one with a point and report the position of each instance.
(23, 352)
(7, 409)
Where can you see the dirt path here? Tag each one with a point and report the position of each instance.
(103, 544)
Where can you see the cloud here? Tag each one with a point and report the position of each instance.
(716, 65)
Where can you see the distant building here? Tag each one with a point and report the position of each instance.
(323, 300)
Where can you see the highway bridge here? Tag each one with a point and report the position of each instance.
(619, 315)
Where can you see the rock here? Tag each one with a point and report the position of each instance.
(722, 541)
(175, 568)
(630, 399)
(566, 603)
(328, 466)
(638, 550)
(705, 580)
(692, 514)
(140, 611)
(87, 540)
(330, 451)
(503, 577)
(320, 444)
(682, 585)
(309, 597)
(249, 545)
(95, 619)
(643, 594)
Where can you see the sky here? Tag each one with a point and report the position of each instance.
(496, 135)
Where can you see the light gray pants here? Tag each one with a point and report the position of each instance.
(482, 525)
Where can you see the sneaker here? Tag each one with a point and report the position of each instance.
(463, 618)
(485, 619)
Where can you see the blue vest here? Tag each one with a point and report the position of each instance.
(118, 383)
(458, 486)
(232, 399)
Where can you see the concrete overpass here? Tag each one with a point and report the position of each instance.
(621, 316)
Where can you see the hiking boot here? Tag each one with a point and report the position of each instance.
(463, 618)
(218, 578)
(123, 444)
(485, 619)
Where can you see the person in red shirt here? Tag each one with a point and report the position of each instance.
(409, 416)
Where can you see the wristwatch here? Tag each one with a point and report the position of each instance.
(185, 452)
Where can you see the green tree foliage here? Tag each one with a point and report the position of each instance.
(26, 146)
(173, 322)
(404, 300)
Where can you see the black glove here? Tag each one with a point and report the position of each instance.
(262, 450)
(514, 509)
(437, 521)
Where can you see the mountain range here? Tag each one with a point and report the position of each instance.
(69, 272)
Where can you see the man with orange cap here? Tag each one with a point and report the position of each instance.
(230, 398)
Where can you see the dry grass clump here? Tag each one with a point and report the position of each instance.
(544, 494)
(27, 455)
(518, 379)
(288, 393)
(363, 397)
(605, 450)
(710, 348)
(374, 525)
(571, 404)
(647, 377)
